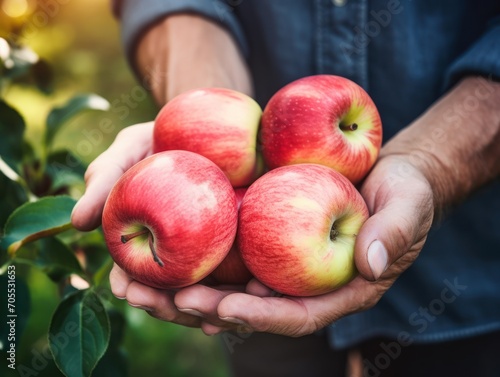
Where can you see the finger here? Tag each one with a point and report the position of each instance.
(209, 329)
(119, 281)
(159, 304)
(237, 329)
(202, 301)
(130, 146)
(256, 288)
(397, 229)
(270, 314)
(298, 316)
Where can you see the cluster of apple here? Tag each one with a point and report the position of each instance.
(220, 199)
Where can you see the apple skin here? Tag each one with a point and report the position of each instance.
(186, 204)
(232, 270)
(301, 123)
(285, 232)
(220, 124)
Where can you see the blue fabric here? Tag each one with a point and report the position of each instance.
(406, 54)
(136, 15)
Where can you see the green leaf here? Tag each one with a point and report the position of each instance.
(79, 333)
(11, 136)
(58, 116)
(114, 362)
(11, 197)
(46, 217)
(64, 169)
(51, 256)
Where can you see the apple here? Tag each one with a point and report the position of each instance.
(220, 124)
(297, 229)
(322, 119)
(170, 219)
(232, 270)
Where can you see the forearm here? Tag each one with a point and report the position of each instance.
(186, 51)
(456, 143)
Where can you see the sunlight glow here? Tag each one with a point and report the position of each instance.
(4, 49)
(15, 8)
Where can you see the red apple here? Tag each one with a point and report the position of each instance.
(297, 229)
(220, 124)
(322, 119)
(232, 270)
(170, 219)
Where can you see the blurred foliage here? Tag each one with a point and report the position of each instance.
(80, 52)
(80, 41)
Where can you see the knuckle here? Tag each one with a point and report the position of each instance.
(91, 170)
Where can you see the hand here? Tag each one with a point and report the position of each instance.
(179, 53)
(161, 304)
(436, 161)
(131, 145)
(199, 53)
(401, 202)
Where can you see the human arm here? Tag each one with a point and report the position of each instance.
(175, 54)
(442, 157)
(178, 53)
(420, 171)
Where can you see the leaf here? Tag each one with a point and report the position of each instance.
(11, 136)
(79, 333)
(64, 169)
(59, 115)
(52, 256)
(114, 362)
(46, 217)
(11, 197)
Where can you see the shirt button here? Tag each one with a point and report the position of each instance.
(339, 3)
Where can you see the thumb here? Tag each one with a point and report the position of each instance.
(99, 178)
(397, 229)
(130, 146)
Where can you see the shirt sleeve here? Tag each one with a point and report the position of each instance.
(482, 58)
(136, 15)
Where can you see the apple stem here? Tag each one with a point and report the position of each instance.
(349, 127)
(127, 237)
(153, 251)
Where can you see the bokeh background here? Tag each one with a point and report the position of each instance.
(80, 40)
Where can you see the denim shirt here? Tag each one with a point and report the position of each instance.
(406, 54)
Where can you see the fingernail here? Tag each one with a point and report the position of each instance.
(377, 258)
(146, 308)
(120, 298)
(234, 320)
(192, 312)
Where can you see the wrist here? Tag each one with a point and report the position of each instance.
(455, 142)
(186, 51)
